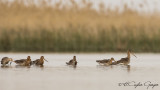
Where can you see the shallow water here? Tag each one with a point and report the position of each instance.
(88, 75)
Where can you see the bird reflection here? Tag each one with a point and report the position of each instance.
(40, 66)
(72, 66)
(122, 67)
(105, 67)
(20, 66)
(8, 66)
(128, 68)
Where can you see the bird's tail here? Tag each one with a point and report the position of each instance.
(67, 63)
(98, 61)
(119, 61)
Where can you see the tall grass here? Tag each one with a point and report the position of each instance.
(30, 27)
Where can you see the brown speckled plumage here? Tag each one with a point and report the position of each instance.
(105, 61)
(125, 60)
(72, 61)
(24, 62)
(39, 61)
(6, 60)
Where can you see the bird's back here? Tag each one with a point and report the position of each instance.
(37, 62)
(20, 61)
(5, 60)
(123, 60)
(103, 61)
(70, 62)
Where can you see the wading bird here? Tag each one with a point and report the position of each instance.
(106, 61)
(6, 60)
(126, 60)
(39, 61)
(24, 62)
(72, 61)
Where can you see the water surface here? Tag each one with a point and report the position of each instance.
(88, 75)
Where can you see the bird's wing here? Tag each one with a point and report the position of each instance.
(103, 61)
(36, 61)
(71, 61)
(20, 61)
(4, 58)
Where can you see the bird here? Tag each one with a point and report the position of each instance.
(106, 61)
(39, 61)
(126, 60)
(24, 62)
(72, 61)
(6, 60)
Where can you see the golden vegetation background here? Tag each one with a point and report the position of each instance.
(29, 27)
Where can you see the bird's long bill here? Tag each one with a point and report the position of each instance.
(134, 55)
(45, 60)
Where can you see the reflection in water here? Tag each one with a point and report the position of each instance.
(6, 66)
(39, 66)
(122, 67)
(128, 68)
(105, 67)
(20, 66)
(72, 66)
(86, 76)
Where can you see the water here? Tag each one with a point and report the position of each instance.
(88, 75)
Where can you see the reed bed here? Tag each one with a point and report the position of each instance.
(29, 27)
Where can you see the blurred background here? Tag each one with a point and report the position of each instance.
(79, 25)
